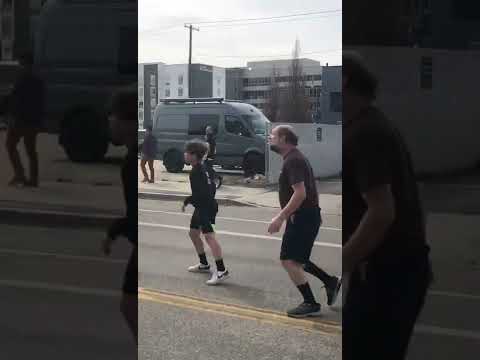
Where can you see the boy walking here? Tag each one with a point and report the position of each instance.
(206, 208)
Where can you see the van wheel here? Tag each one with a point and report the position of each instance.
(84, 135)
(253, 163)
(173, 161)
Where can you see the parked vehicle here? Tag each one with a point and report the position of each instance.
(240, 131)
(84, 51)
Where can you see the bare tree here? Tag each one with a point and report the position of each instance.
(296, 107)
(272, 108)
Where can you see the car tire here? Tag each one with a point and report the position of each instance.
(173, 161)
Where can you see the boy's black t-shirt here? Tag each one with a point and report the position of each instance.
(374, 154)
(203, 188)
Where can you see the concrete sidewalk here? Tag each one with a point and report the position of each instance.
(234, 195)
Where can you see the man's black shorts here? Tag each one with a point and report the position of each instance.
(130, 280)
(203, 220)
(300, 234)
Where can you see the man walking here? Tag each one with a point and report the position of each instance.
(384, 242)
(149, 149)
(299, 203)
(25, 108)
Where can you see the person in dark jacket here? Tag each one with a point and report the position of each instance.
(25, 111)
(149, 149)
(123, 124)
(206, 208)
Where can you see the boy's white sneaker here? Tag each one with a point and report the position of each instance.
(199, 268)
(218, 277)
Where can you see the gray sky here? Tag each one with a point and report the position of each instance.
(163, 38)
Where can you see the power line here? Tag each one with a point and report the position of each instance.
(262, 22)
(272, 17)
(258, 21)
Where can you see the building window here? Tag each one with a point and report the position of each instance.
(180, 91)
(140, 92)
(317, 77)
(140, 104)
(153, 91)
(336, 102)
(167, 93)
(180, 80)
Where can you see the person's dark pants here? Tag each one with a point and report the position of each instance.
(381, 310)
(29, 135)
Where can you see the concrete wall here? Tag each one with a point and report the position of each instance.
(325, 155)
(440, 125)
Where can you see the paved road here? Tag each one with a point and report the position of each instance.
(449, 325)
(252, 324)
(59, 296)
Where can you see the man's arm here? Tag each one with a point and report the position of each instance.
(371, 231)
(299, 195)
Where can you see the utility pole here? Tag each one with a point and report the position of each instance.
(191, 28)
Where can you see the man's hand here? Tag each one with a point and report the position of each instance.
(107, 245)
(275, 224)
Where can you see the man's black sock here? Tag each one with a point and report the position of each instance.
(313, 269)
(307, 293)
(220, 265)
(203, 259)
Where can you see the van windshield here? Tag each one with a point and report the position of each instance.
(257, 122)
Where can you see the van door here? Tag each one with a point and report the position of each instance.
(236, 139)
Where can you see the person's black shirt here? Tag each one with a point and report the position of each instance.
(375, 154)
(203, 188)
(26, 103)
(210, 138)
(297, 169)
(128, 225)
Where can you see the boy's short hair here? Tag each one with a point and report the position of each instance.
(197, 147)
(124, 104)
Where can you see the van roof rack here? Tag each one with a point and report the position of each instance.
(192, 100)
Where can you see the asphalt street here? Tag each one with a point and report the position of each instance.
(244, 317)
(449, 325)
(60, 296)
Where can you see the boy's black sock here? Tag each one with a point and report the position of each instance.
(220, 265)
(307, 293)
(203, 259)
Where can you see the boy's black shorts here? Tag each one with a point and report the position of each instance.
(130, 280)
(203, 220)
(300, 234)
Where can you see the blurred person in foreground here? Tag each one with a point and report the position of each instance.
(123, 127)
(385, 253)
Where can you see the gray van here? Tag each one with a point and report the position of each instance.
(84, 51)
(240, 131)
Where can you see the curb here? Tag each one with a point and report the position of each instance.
(55, 218)
(146, 195)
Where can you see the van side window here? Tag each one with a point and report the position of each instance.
(197, 123)
(234, 125)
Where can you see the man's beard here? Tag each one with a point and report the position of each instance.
(275, 148)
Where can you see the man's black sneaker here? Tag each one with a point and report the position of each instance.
(304, 310)
(332, 290)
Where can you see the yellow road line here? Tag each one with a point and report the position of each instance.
(312, 325)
